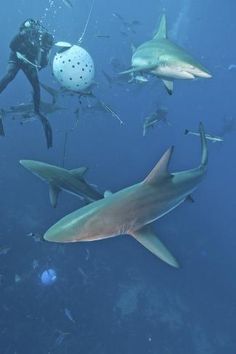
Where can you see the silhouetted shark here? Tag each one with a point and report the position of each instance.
(59, 178)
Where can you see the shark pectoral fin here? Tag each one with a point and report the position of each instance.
(149, 240)
(169, 85)
(160, 171)
(53, 194)
(79, 172)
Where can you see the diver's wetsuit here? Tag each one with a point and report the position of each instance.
(27, 43)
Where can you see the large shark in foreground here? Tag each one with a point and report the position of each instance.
(132, 210)
(59, 178)
(166, 60)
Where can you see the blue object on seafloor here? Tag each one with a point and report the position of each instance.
(48, 277)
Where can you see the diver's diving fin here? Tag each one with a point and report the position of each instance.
(47, 129)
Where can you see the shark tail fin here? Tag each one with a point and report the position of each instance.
(186, 132)
(162, 30)
(204, 158)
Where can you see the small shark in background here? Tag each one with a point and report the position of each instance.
(164, 59)
(158, 116)
(59, 179)
(210, 137)
(132, 210)
(25, 111)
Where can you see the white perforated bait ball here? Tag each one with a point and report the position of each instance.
(74, 68)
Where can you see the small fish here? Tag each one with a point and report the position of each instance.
(69, 315)
(60, 337)
(114, 114)
(154, 118)
(103, 36)
(24, 59)
(62, 44)
(212, 138)
(138, 78)
(232, 66)
(35, 264)
(68, 3)
(17, 278)
(36, 236)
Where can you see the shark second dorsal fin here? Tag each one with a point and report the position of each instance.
(79, 172)
(160, 171)
(162, 30)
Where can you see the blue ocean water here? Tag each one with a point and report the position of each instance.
(113, 296)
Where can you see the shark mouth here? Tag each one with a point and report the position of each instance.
(175, 72)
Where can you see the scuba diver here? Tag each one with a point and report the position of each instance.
(30, 50)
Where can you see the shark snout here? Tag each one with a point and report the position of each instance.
(201, 73)
(65, 230)
(29, 164)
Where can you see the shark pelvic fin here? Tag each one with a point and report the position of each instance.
(160, 171)
(53, 194)
(162, 31)
(169, 85)
(79, 172)
(149, 240)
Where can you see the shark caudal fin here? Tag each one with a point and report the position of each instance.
(204, 158)
(162, 30)
(149, 240)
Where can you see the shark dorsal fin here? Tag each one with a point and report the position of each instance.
(79, 172)
(162, 31)
(160, 171)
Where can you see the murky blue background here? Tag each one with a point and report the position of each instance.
(122, 299)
